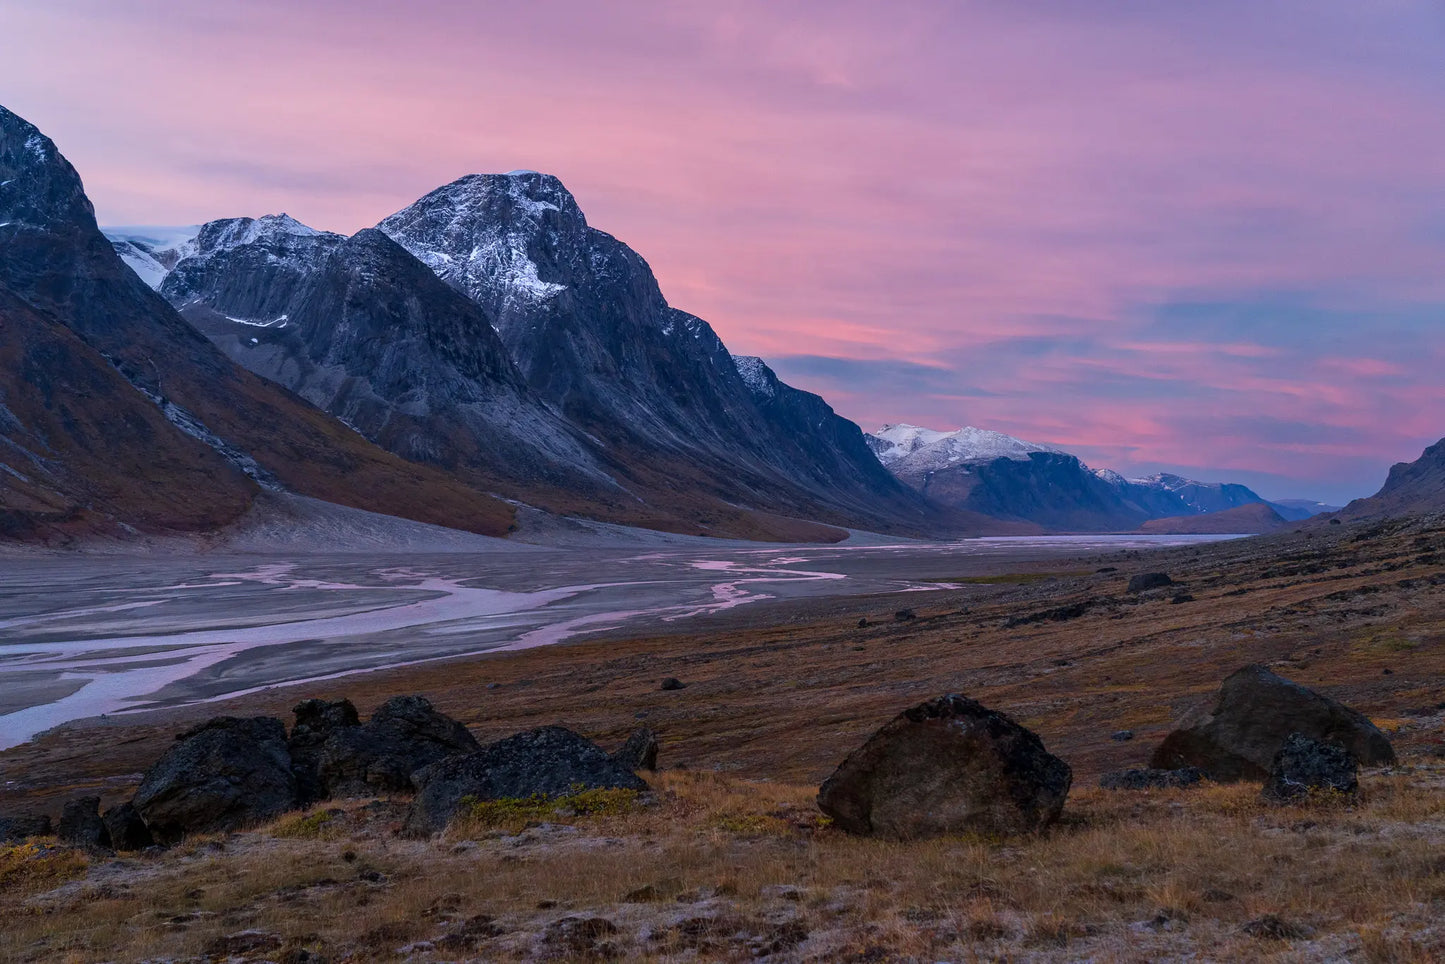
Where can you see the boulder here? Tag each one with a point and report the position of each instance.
(80, 824)
(316, 722)
(1304, 765)
(126, 828)
(402, 736)
(1145, 581)
(223, 774)
(639, 752)
(947, 766)
(1150, 779)
(23, 826)
(549, 762)
(1255, 713)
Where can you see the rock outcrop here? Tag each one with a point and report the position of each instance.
(128, 831)
(18, 827)
(549, 762)
(1304, 766)
(317, 721)
(639, 752)
(402, 736)
(947, 766)
(1253, 717)
(81, 824)
(223, 774)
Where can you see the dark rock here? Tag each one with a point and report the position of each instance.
(219, 776)
(1150, 779)
(947, 766)
(549, 761)
(1145, 581)
(80, 824)
(402, 736)
(1122, 736)
(863, 623)
(1270, 927)
(1254, 715)
(903, 615)
(1182, 597)
(316, 722)
(244, 942)
(580, 937)
(1303, 765)
(126, 828)
(639, 752)
(22, 826)
(671, 683)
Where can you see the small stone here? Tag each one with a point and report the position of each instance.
(863, 623)
(671, 683)
(903, 615)
(1122, 736)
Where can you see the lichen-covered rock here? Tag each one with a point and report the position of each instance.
(18, 827)
(549, 761)
(81, 825)
(639, 752)
(1254, 715)
(402, 736)
(1304, 765)
(126, 828)
(947, 766)
(223, 774)
(316, 722)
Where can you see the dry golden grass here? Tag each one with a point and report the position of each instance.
(731, 859)
(715, 867)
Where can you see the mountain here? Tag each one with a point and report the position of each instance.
(1004, 477)
(1255, 517)
(361, 329)
(586, 323)
(1296, 510)
(490, 330)
(68, 287)
(1411, 488)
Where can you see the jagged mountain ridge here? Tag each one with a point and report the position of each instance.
(1411, 488)
(58, 266)
(1010, 478)
(651, 419)
(586, 322)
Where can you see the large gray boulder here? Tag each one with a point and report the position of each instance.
(128, 831)
(1254, 715)
(947, 766)
(1304, 766)
(379, 756)
(549, 762)
(222, 775)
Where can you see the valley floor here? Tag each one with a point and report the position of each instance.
(733, 862)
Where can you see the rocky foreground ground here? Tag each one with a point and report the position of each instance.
(728, 856)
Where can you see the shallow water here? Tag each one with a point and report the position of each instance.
(88, 636)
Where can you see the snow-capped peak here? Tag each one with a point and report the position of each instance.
(968, 444)
(152, 252)
(1111, 477)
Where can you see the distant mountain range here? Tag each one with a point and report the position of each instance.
(1004, 477)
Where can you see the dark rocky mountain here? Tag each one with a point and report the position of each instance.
(73, 307)
(501, 337)
(1411, 488)
(363, 330)
(587, 325)
(1008, 478)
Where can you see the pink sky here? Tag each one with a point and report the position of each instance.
(1201, 236)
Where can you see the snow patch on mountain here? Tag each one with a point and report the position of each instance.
(926, 448)
(152, 252)
(756, 375)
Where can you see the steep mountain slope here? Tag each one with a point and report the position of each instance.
(1255, 517)
(54, 259)
(363, 330)
(82, 451)
(583, 318)
(1411, 488)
